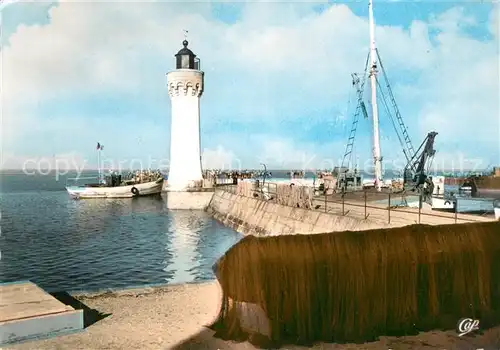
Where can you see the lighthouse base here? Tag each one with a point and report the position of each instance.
(190, 199)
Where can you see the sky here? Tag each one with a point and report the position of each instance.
(278, 86)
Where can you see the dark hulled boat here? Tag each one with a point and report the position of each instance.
(482, 185)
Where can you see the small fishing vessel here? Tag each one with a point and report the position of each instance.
(415, 179)
(125, 189)
(439, 200)
(415, 175)
(443, 204)
(482, 185)
(113, 186)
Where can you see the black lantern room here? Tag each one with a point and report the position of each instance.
(186, 59)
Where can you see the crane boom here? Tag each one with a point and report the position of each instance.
(415, 173)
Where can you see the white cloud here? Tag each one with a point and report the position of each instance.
(458, 161)
(220, 158)
(280, 60)
(286, 153)
(274, 152)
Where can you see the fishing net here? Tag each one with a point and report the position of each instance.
(283, 194)
(356, 286)
(294, 196)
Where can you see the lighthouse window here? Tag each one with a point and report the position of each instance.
(185, 61)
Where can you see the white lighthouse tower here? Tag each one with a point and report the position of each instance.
(185, 86)
(184, 186)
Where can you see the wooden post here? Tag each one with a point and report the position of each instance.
(365, 203)
(343, 193)
(419, 207)
(389, 209)
(325, 203)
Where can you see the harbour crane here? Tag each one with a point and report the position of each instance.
(415, 173)
(415, 178)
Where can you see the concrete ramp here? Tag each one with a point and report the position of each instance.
(27, 312)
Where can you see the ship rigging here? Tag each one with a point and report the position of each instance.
(417, 163)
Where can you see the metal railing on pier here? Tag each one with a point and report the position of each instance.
(388, 207)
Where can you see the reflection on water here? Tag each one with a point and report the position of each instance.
(183, 245)
(63, 244)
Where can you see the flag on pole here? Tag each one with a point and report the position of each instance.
(99, 146)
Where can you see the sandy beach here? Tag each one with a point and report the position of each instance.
(174, 317)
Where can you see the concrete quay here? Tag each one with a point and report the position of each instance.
(175, 317)
(27, 312)
(396, 216)
(249, 215)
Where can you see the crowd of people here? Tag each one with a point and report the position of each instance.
(296, 174)
(221, 177)
(222, 174)
(131, 177)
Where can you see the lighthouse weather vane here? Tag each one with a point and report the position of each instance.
(185, 34)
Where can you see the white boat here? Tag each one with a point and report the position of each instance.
(438, 200)
(112, 186)
(127, 190)
(443, 204)
(496, 206)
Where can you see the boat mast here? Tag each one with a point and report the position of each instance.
(99, 172)
(99, 165)
(373, 81)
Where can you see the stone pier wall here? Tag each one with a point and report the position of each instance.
(255, 216)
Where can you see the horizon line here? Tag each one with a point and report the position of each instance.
(233, 169)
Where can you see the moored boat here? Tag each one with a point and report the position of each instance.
(414, 177)
(481, 185)
(439, 200)
(113, 186)
(123, 190)
(443, 204)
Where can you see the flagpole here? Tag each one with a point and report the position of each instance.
(99, 165)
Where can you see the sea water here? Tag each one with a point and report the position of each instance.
(100, 244)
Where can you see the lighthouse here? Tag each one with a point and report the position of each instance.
(185, 87)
